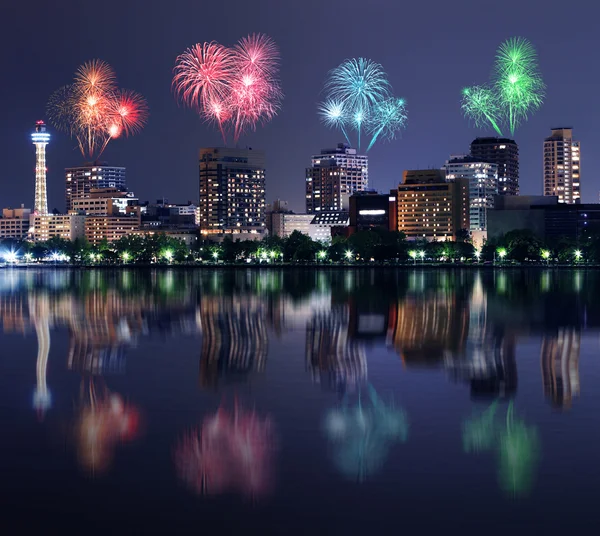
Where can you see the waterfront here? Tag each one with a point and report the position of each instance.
(299, 401)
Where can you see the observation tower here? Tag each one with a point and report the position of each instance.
(40, 139)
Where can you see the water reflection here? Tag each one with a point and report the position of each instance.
(333, 349)
(230, 452)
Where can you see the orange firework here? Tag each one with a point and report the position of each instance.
(94, 110)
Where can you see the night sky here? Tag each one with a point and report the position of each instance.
(430, 50)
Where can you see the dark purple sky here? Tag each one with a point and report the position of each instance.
(430, 50)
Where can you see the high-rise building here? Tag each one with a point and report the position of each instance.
(65, 226)
(40, 139)
(483, 186)
(505, 154)
(232, 191)
(81, 180)
(15, 223)
(561, 166)
(333, 177)
(430, 207)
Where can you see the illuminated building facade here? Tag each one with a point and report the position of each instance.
(65, 226)
(483, 186)
(333, 177)
(105, 202)
(504, 153)
(561, 166)
(430, 207)
(232, 191)
(40, 139)
(80, 181)
(15, 223)
(110, 228)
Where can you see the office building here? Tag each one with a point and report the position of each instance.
(15, 223)
(505, 154)
(370, 210)
(544, 216)
(232, 191)
(483, 186)
(80, 181)
(283, 224)
(333, 177)
(105, 202)
(324, 223)
(65, 226)
(110, 228)
(430, 207)
(561, 166)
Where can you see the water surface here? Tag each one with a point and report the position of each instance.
(340, 401)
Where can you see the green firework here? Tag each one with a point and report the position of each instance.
(480, 104)
(517, 81)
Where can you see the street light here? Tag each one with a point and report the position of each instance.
(577, 253)
(28, 257)
(349, 254)
(422, 255)
(477, 255)
(322, 254)
(413, 255)
(546, 255)
(168, 254)
(215, 255)
(10, 257)
(125, 256)
(501, 253)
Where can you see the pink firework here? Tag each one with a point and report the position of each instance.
(236, 87)
(128, 113)
(231, 452)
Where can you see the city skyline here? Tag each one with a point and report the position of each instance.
(436, 126)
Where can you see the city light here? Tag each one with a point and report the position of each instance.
(168, 254)
(215, 255)
(577, 253)
(545, 254)
(272, 254)
(422, 254)
(28, 257)
(477, 255)
(55, 256)
(125, 256)
(501, 253)
(10, 257)
(322, 254)
(413, 255)
(349, 254)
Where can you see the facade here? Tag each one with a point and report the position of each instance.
(504, 153)
(65, 226)
(15, 223)
(80, 181)
(40, 139)
(430, 207)
(232, 191)
(110, 228)
(333, 177)
(369, 210)
(544, 216)
(283, 224)
(483, 186)
(561, 166)
(105, 202)
(323, 223)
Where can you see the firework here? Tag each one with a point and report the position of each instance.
(480, 105)
(358, 97)
(389, 117)
(518, 82)
(94, 110)
(516, 91)
(235, 88)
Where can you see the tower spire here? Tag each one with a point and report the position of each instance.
(40, 139)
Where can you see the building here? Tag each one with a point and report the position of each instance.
(15, 223)
(561, 166)
(369, 210)
(322, 224)
(232, 191)
(284, 224)
(430, 207)
(505, 154)
(483, 186)
(333, 177)
(65, 226)
(110, 228)
(105, 202)
(80, 181)
(40, 139)
(544, 216)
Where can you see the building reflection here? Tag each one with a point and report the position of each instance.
(560, 366)
(234, 338)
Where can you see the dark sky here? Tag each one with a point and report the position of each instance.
(430, 50)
